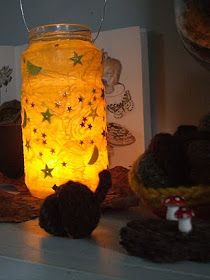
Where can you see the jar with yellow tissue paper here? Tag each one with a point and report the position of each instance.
(63, 108)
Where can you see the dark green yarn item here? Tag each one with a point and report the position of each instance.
(151, 174)
(169, 155)
(186, 134)
(199, 159)
(164, 164)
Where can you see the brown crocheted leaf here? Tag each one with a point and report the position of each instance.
(119, 196)
(18, 207)
(160, 241)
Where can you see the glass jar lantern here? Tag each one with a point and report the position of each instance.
(63, 109)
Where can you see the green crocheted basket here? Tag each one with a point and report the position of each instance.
(197, 197)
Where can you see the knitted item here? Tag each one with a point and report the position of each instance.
(161, 241)
(198, 154)
(79, 210)
(49, 217)
(105, 183)
(174, 165)
(150, 173)
(11, 146)
(169, 156)
(195, 195)
(200, 175)
(186, 134)
(120, 195)
(10, 112)
(74, 210)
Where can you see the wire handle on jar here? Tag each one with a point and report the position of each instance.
(100, 24)
(23, 15)
(101, 21)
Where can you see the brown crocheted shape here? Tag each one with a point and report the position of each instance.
(198, 196)
(168, 153)
(160, 241)
(120, 195)
(199, 159)
(10, 112)
(11, 146)
(74, 210)
(79, 210)
(19, 206)
(49, 218)
(22, 207)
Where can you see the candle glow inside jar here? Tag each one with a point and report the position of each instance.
(63, 109)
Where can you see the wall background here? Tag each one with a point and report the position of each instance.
(180, 87)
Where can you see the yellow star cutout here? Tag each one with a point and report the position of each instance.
(47, 171)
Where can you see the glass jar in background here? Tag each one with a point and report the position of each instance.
(63, 108)
(193, 25)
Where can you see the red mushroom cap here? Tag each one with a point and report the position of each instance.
(184, 212)
(174, 200)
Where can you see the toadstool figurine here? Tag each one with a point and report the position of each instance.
(184, 216)
(173, 203)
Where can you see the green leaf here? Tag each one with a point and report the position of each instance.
(33, 69)
(94, 156)
(24, 119)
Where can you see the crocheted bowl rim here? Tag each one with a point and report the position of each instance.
(194, 195)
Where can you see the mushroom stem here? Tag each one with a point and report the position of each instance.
(170, 214)
(185, 225)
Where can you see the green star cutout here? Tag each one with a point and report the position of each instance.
(76, 59)
(47, 116)
(47, 171)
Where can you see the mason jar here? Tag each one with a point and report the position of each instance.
(63, 108)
